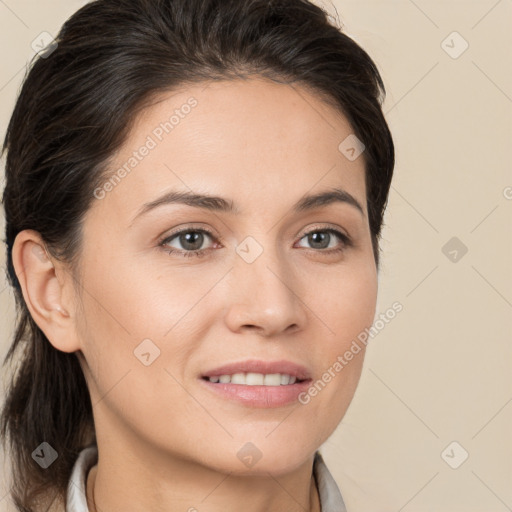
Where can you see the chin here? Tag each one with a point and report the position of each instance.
(259, 458)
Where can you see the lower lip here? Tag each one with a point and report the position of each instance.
(265, 397)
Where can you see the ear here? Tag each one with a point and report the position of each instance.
(47, 288)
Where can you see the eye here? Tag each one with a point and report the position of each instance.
(191, 241)
(187, 242)
(325, 240)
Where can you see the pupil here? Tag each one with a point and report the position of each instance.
(318, 237)
(192, 238)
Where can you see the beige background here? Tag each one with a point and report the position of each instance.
(441, 370)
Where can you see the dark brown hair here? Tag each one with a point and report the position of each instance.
(75, 109)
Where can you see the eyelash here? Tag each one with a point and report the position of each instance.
(346, 241)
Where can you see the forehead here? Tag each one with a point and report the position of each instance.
(254, 140)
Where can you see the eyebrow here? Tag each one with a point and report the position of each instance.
(219, 204)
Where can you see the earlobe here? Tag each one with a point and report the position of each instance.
(45, 295)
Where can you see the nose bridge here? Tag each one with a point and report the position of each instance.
(264, 295)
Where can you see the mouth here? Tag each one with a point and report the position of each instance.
(256, 383)
(255, 372)
(255, 379)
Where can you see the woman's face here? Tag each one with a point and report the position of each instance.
(157, 317)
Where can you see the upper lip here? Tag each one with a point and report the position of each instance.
(259, 366)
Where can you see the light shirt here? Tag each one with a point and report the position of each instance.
(330, 496)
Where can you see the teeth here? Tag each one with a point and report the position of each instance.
(272, 379)
(237, 378)
(255, 379)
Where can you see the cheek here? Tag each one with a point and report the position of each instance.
(347, 308)
(350, 301)
(131, 310)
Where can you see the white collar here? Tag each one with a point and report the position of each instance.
(330, 496)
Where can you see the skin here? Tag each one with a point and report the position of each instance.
(165, 442)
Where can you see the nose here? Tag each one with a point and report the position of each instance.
(264, 296)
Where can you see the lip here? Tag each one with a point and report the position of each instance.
(259, 366)
(264, 397)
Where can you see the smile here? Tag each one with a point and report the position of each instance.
(256, 379)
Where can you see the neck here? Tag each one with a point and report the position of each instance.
(94, 506)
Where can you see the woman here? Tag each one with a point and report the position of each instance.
(194, 197)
